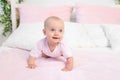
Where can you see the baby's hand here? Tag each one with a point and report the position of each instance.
(69, 64)
(66, 69)
(31, 66)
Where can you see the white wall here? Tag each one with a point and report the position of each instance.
(70, 2)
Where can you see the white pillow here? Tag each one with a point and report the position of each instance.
(27, 35)
(76, 36)
(96, 34)
(113, 34)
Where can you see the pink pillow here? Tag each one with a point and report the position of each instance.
(97, 14)
(33, 13)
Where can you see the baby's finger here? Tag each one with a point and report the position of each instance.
(28, 66)
(31, 67)
(66, 69)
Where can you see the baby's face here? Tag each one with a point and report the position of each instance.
(54, 31)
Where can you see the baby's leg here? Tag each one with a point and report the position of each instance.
(45, 56)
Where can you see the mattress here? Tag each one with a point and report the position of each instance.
(89, 64)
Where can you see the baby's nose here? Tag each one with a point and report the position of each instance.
(56, 32)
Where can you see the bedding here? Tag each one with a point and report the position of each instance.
(96, 34)
(99, 14)
(112, 32)
(35, 13)
(83, 36)
(30, 33)
(90, 64)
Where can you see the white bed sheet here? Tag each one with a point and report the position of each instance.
(90, 64)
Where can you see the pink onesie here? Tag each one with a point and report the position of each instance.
(42, 47)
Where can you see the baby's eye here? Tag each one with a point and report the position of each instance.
(52, 29)
(60, 30)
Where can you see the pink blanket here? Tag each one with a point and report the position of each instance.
(89, 65)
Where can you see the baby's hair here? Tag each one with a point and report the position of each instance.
(46, 22)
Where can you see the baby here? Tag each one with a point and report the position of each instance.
(52, 45)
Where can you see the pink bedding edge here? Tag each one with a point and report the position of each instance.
(89, 65)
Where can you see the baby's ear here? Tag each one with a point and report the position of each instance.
(44, 31)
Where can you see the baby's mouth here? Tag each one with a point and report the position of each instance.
(55, 37)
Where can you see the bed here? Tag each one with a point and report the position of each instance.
(96, 46)
(89, 65)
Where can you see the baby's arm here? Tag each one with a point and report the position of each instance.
(69, 64)
(31, 62)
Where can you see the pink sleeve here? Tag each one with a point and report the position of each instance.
(66, 51)
(36, 51)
